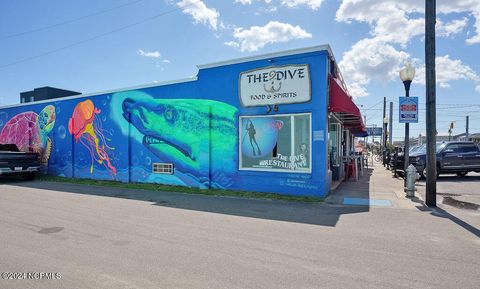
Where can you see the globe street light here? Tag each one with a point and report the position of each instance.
(406, 75)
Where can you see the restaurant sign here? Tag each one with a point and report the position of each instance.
(275, 85)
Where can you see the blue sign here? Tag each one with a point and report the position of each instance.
(408, 109)
(374, 131)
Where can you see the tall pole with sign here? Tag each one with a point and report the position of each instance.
(390, 124)
(406, 75)
(431, 183)
(384, 131)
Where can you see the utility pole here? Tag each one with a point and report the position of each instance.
(390, 124)
(365, 139)
(466, 129)
(384, 134)
(450, 130)
(431, 115)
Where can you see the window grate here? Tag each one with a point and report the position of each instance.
(162, 168)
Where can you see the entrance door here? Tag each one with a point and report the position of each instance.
(470, 154)
(452, 157)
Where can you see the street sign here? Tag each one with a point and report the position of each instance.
(374, 131)
(408, 109)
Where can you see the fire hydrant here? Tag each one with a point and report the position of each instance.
(412, 177)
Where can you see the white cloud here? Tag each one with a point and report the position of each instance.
(398, 20)
(393, 24)
(232, 44)
(244, 2)
(313, 4)
(200, 12)
(459, 6)
(451, 28)
(166, 61)
(152, 54)
(448, 70)
(256, 37)
(387, 19)
(370, 59)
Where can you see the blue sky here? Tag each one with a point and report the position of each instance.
(103, 45)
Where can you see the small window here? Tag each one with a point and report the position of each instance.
(162, 168)
(469, 148)
(276, 143)
(453, 148)
(32, 98)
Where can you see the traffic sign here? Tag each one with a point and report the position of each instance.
(408, 109)
(374, 131)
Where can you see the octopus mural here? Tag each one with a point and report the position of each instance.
(29, 132)
(87, 128)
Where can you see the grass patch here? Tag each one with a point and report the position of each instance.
(180, 189)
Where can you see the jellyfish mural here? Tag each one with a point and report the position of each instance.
(85, 127)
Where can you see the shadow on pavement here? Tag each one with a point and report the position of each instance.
(288, 211)
(441, 213)
(354, 191)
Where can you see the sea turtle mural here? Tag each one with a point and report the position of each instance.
(29, 131)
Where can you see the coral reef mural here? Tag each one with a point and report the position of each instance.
(29, 131)
(86, 127)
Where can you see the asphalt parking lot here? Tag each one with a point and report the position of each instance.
(96, 237)
(458, 191)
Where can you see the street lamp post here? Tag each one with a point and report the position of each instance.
(385, 136)
(406, 75)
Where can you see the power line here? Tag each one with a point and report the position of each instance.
(371, 107)
(68, 21)
(89, 39)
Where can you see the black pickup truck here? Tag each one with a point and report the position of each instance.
(457, 157)
(13, 161)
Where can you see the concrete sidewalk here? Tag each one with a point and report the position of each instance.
(377, 187)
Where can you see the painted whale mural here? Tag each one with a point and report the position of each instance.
(198, 136)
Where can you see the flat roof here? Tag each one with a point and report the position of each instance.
(155, 84)
(325, 47)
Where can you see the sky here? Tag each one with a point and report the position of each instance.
(91, 46)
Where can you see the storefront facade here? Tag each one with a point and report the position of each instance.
(259, 124)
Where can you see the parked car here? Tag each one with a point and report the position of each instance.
(458, 157)
(394, 155)
(13, 161)
(400, 163)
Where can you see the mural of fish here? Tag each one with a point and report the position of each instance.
(198, 136)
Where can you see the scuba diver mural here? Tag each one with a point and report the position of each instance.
(251, 135)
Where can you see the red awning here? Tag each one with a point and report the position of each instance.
(341, 104)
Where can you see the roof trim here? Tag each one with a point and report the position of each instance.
(155, 84)
(268, 55)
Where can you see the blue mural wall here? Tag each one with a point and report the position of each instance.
(192, 124)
